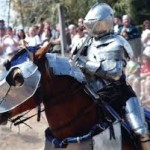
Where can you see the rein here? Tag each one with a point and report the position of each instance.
(16, 122)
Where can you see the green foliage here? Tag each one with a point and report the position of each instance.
(34, 11)
(121, 8)
(139, 10)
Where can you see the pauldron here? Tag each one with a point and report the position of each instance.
(62, 67)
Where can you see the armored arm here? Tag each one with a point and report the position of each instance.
(109, 69)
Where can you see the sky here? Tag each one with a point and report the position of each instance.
(4, 13)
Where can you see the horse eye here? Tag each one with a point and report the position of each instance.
(15, 78)
(18, 79)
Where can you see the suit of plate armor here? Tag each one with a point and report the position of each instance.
(105, 61)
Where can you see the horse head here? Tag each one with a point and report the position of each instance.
(19, 82)
(18, 88)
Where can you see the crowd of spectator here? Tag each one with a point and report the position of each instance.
(138, 68)
(125, 27)
(12, 40)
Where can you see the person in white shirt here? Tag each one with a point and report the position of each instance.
(11, 43)
(117, 25)
(145, 37)
(32, 39)
(78, 39)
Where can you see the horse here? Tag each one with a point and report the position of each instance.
(71, 111)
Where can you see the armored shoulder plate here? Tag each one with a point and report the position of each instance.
(126, 45)
(62, 66)
(109, 47)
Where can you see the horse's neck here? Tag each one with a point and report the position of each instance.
(69, 110)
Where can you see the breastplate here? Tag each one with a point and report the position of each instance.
(100, 51)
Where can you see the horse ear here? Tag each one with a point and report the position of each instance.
(42, 51)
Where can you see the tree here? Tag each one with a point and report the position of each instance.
(139, 10)
(34, 11)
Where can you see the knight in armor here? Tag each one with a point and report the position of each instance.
(103, 61)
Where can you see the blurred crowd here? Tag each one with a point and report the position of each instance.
(138, 67)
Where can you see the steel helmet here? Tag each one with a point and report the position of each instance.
(99, 20)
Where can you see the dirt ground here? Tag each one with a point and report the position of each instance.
(26, 139)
